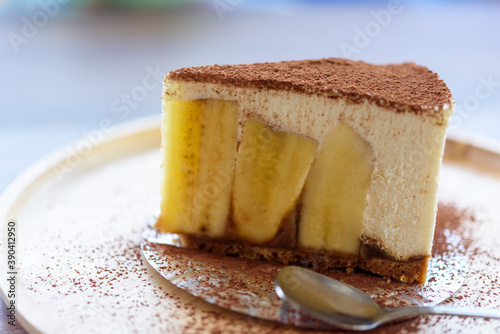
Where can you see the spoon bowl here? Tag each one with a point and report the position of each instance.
(343, 306)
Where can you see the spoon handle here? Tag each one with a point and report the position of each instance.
(465, 311)
(412, 311)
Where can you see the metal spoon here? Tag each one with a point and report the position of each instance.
(346, 307)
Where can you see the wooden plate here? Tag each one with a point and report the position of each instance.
(79, 215)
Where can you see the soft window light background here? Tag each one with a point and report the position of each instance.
(68, 65)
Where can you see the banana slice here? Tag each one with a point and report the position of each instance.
(334, 197)
(271, 169)
(199, 140)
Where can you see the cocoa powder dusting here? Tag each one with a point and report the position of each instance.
(402, 87)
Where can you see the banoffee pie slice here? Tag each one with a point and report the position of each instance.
(324, 163)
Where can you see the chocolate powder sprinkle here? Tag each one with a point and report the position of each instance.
(401, 87)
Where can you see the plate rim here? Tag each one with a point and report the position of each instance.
(36, 175)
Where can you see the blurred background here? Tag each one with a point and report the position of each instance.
(68, 66)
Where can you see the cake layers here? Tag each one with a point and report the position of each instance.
(403, 143)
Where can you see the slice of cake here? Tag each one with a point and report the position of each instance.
(325, 163)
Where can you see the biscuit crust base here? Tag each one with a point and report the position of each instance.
(371, 257)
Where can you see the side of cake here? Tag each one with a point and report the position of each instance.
(329, 163)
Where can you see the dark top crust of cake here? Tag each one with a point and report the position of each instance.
(402, 87)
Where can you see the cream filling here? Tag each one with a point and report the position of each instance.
(408, 148)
